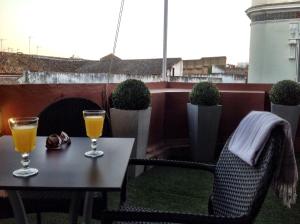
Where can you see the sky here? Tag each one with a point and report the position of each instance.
(86, 28)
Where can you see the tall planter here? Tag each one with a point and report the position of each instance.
(289, 113)
(203, 124)
(132, 124)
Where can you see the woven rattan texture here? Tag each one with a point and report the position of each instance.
(128, 208)
(238, 186)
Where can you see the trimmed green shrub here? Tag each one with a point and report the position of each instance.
(205, 93)
(285, 92)
(131, 95)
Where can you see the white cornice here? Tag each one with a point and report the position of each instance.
(274, 7)
(265, 2)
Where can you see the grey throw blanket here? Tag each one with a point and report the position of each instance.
(248, 141)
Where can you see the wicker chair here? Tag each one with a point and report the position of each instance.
(63, 115)
(237, 195)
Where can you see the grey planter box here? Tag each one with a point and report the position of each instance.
(132, 124)
(289, 113)
(203, 124)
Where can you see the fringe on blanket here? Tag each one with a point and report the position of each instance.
(286, 192)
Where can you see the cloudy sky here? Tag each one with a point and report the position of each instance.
(86, 28)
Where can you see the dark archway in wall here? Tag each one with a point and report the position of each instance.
(66, 115)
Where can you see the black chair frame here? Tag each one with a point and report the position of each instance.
(144, 215)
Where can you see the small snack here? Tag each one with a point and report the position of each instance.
(53, 142)
(65, 138)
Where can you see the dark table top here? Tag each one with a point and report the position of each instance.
(67, 168)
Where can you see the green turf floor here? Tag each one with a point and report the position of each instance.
(184, 190)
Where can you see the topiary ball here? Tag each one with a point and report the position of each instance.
(131, 95)
(205, 93)
(285, 92)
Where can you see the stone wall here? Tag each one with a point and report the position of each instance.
(60, 77)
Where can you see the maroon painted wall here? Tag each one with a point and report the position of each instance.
(30, 100)
(236, 104)
(169, 114)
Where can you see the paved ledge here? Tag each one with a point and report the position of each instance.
(169, 90)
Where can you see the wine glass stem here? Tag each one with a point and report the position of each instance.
(94, 144)
(25, 160)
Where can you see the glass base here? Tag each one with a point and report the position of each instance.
(94, 153)
(25, 172)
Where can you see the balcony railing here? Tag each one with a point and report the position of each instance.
(168, 126)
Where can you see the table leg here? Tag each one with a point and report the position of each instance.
(123, 195)
(17, 206)
(88, 207)
(74, 207)
(105, 200)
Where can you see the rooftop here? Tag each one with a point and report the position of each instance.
(131, 66)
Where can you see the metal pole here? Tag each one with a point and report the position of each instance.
(298, 60)
(37, 49)
(113, 53)
(165, 42)
(1, 40)
(29, 39)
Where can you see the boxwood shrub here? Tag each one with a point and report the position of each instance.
(205, 93)
(131, 94)
(285, 92)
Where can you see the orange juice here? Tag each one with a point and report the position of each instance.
(94, 126)
(24, 138)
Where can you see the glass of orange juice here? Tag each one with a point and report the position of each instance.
(24, 137)
(94, 120)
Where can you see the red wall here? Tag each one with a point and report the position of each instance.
(169, 114)
(236, 104)
(30, 100)
(156, 135)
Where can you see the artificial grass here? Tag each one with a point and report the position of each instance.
(176, 189)
(185, 190)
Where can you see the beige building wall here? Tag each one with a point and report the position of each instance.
(273, 55)
(176, 70)
(202, 66)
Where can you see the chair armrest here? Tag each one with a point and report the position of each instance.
(173, 163)
(173, 217)
(161, 162)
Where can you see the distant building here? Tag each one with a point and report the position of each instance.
(22, 68)
(115, 65)
(231, 73)
(237, 69)
(274, 42)
(9, 78)
(18, 63)
(215, 68)
(202, 66)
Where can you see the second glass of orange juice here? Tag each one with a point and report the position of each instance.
(94, 120)
(24, 137)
